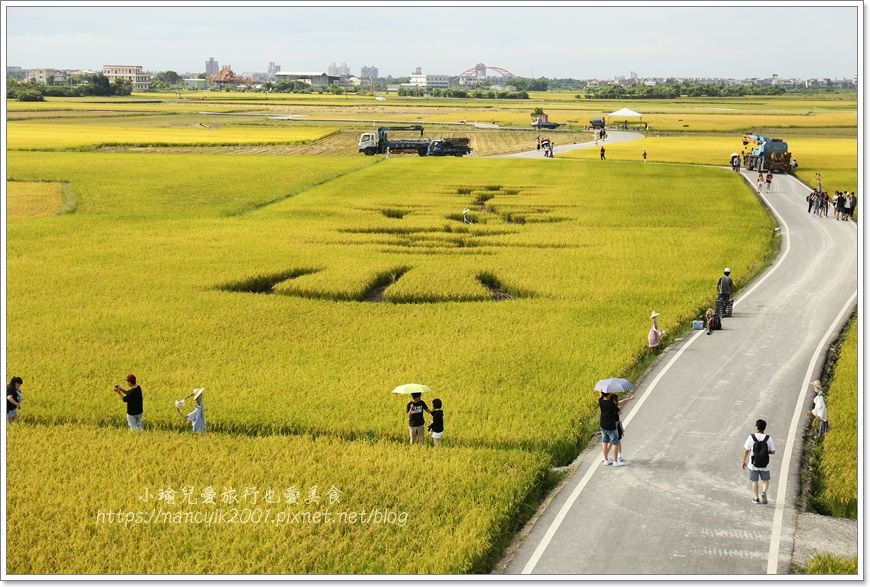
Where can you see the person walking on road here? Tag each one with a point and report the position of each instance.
(759, 181)
(724, 287)
(768, 179)
(760, 446)
(609, 423)
(619, 429)
(602, 153)
(133, 398)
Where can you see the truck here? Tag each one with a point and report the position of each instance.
(767, 154)
(597, 122)
(377, 143)
(456, 147)
(543, 121)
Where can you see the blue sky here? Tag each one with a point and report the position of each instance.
(579, 40)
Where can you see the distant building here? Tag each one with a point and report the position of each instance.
(315, 79)
(420, 80)
(195, 83)
(368, 72)
(43, 74)
(140, 79)
(212, 67)
(332, 69)
(14, 72)
(272, 70)
(225, 77)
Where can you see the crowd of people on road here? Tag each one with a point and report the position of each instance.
(819, 204)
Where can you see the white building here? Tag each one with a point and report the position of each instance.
(315, 79)
(42, 75)
(421, 80)
(140, 79)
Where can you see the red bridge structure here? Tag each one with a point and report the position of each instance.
(478, 73)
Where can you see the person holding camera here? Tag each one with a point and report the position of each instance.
(133, 398)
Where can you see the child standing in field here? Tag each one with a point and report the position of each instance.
(436, 428)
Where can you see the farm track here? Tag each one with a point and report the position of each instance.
(344, 143)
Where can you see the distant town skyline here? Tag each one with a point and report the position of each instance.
(736, 40)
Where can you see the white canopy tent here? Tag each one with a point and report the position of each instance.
(621, 116)
(625, 113)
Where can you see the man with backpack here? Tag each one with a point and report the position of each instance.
(760, 446)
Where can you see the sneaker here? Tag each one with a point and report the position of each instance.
(764, 498)
(756, 501)
(618, 464)
(619, 459)
(606, 462)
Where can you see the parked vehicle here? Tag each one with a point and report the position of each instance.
(377, 143)
(543, 121)
(456, 147)
(768, 154)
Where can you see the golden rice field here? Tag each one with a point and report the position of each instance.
(47, 136)
(33, 199)
(839, 460)
(299, 292)
(835, 158)
(189, 228)
(88, 500)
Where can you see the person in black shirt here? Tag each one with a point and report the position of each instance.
(436, 428)
(133, 398)
(415, 410)
(13, 399)
(609, 424)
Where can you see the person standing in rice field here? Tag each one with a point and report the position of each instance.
(13, 399)
(655, 335)
(133, 398)
(197, 416)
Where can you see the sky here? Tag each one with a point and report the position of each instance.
(551, 39)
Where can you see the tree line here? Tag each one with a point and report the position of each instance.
(95, 84)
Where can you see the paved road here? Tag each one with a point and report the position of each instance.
(613, 136)
(681, 505)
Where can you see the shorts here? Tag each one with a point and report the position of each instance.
(436, 435)
(135, 422)
(754, 474)
(610, 436)
(11, 413)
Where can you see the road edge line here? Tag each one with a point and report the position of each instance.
(773, 553)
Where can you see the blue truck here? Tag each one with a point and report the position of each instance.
(453, 147)
(767, 154)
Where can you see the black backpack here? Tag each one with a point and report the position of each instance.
(760, 455)
(716, 322)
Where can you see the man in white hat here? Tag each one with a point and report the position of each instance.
(724, 287)
(196, 417)
(819, 410)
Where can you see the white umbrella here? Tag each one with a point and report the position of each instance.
(613, 385)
